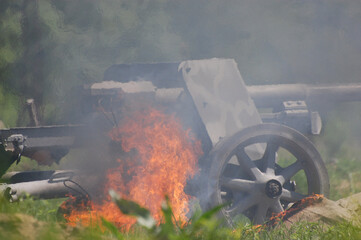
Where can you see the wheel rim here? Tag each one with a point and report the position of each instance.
(257, 188)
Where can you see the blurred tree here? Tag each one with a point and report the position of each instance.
(55, 46)
(11, 50)
(68, 44)
(10, 38)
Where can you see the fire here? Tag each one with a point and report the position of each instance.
(158, 157)
(295, 208)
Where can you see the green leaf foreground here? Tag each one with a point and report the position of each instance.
(112, 228)
(200, 224)
(133, 209)
(14, 225)
(207, 226)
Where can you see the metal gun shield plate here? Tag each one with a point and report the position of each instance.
(220, 96)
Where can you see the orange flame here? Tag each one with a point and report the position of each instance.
(159, 157)
(296, 207)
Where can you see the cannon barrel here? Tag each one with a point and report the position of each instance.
(58, 185)
(267, 96)
(39, 189)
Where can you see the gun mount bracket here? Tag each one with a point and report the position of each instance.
(297, 115)
(18, 142)
(61, 177)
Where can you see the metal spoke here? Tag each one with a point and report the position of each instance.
(247, 164)
(238, 184)
(269, 158)
(261, 213)
(277, 207)
(242, 205)
(223, 194)
(291, 196)
(290, 171)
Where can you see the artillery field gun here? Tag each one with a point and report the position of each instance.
(250, 159)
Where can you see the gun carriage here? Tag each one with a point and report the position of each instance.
(244, 150)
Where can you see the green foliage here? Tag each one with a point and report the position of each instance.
(68, 44)
(51, 232)
(49, 47)
(344, 230)
(299, 231)
(9, 228)
(339, 146)
(44, 210)
(207, 226)
(10, 38)
(134, 209)
(112, 229)
(200, 226)
(9, 107)
(27, 164)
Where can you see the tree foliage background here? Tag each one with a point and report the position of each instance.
(48, 48)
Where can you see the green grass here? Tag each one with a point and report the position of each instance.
(201, 225)
(43, 210)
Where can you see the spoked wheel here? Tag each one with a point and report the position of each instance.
(255, 172)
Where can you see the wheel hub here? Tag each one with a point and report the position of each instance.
(273, 188)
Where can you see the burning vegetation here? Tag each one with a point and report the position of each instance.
(156, 158)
